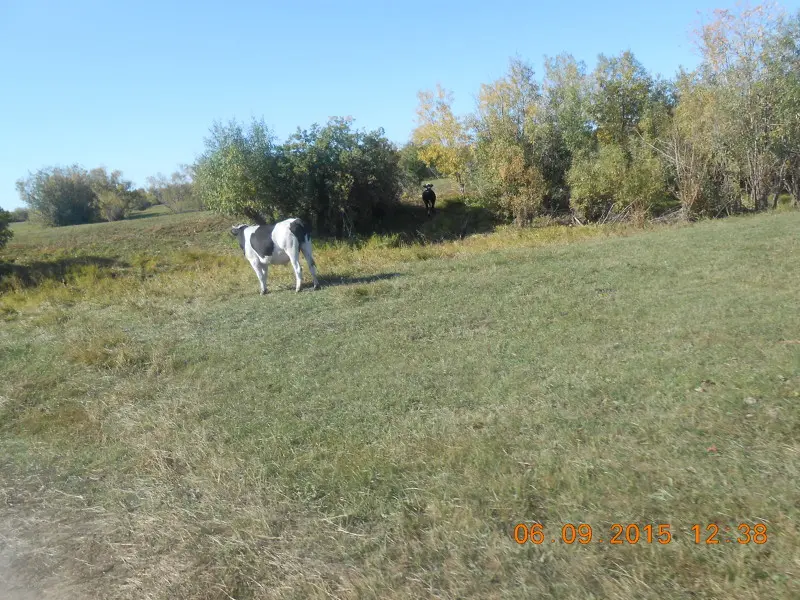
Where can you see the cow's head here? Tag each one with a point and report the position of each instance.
(237, 228)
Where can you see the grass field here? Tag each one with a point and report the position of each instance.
(166, 432)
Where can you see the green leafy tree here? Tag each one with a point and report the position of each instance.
(114, 194)
(344, 180)
(595, 180)
(413, 170)
(621, 93)
(564, 125)
(622, 171)
(340, 179)
(631, 181)
(686, 144)
(567, 93)
(782, 52)
(60, 196)
(141, 199)
(236, 173)
(508, 157)
(747, 100)
(18, 215)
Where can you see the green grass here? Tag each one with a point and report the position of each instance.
(165, 432)
(445, 188)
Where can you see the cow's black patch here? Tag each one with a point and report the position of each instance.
(300, 231)
(261, 240)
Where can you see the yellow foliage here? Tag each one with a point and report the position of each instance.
(443, 138)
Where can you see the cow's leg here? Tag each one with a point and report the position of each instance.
(261, 272)
(294, 257)
(306, 249)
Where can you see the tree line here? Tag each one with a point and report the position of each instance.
(73, 195)
(616, 140)
(721, 139)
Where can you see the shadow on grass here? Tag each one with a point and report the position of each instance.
(145, 215)
(452, 219)
(161, 212)
(335, 280)
(14, 276)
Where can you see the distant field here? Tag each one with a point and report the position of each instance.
(166, 432)
(444, 188)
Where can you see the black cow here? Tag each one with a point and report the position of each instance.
(429, 198)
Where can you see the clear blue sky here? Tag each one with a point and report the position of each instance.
(135, 86)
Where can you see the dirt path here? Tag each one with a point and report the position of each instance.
(20, 583)
(12, 586)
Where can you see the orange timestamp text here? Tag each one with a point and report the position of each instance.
(634, 533)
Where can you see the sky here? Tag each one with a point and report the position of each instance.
(135, 86)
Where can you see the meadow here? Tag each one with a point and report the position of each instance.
(166, 432)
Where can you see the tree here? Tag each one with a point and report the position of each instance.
(178, 192)
(622, 171)
(783, 72)
(735, 50)
(566, 124)
(568, 103)
(235, 175)
(59, 196)
(18, 215)
(508, 157)
(685, 142)
(142, 199)
(341, 180)
(413, 170)
(595, 180)
(114, 195)
(621, 93)
(442, 137)
(5, 231)
(344, 180)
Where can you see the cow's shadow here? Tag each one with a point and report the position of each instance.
(337, 280)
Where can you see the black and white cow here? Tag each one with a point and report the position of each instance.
(429, 198)
(278, 244)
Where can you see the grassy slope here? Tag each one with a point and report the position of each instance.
(382, 438)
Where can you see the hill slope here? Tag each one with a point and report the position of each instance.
(383, 437)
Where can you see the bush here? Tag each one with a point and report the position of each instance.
(594, 180)
(178, 193)
(610, 179)
(508, 182)
(343, 181)
(5, 232)
(141, 200)
(19, 215)
(111, 205)
(60, 196)
(413, 171)
(643, 186)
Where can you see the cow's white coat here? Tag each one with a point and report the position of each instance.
(287, 249)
